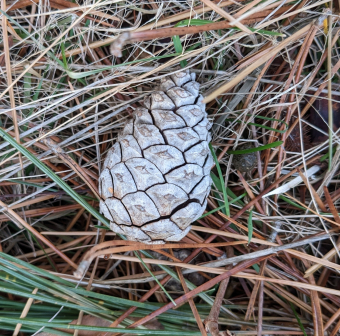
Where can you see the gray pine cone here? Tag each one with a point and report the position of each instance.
(156, 178)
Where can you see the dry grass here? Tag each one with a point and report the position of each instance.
(263, 260)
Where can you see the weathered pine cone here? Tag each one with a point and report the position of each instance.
(156, 178)
(245, 163)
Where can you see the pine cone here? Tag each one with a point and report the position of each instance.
(156, 178)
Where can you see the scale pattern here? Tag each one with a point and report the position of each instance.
(156, 178)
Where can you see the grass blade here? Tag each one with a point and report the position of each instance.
(250, 226)
(225, 197)
(256, 149)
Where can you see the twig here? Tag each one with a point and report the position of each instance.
(191, 301)
(211, 322)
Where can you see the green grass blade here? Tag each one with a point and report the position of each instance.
(326, 156)
(225, 197)
(192, 22)
(250, 226)
(212, 211)
(62, 46)
(235, 199)
(179, 49)
(261, 31)
(177, 41)
(291, 202)
(298, 319)
(256, 149)
(222, 206)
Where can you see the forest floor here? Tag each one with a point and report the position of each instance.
(264, 257)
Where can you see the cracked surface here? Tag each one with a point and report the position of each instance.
(156, 178)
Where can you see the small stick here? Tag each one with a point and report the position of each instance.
(118, 43)
(191, 301)
(211, 322)
(260, 308)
